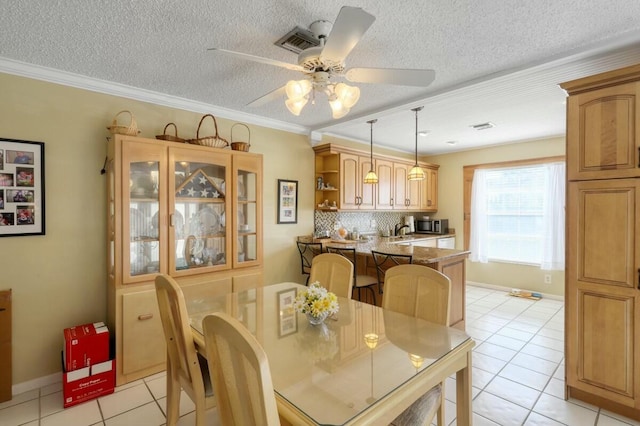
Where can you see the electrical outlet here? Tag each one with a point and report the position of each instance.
(373, 223)
(547, 278)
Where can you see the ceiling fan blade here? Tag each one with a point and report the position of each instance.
(401, 77)
(292, 67)
(350, 25)
(271, 96)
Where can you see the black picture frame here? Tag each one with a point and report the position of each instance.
(22, 192)
(287, 201)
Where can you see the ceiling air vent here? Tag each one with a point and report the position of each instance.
(297, 40)
(483, 126)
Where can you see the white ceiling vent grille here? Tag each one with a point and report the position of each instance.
(297, 40)
(483, 126)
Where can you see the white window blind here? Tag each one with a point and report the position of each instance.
(517, 215)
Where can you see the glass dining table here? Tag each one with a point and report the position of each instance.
(365, 365)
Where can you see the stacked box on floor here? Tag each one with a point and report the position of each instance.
(87, 370)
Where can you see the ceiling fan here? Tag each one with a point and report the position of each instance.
(324, 65)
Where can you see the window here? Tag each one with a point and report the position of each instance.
(517, 214)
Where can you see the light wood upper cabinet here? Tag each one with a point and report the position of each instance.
(340, 174)
(605, 137)
(429, 190)
(385, 188)
(603, 309)
(355, 194)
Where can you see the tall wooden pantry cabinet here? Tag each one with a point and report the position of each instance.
(603, 234)
(189, 211)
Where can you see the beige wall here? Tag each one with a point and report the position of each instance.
(450, 206)
(59, 279)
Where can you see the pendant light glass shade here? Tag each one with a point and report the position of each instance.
(371, 177)
(416, 172)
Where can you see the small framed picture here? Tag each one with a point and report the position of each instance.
(287, 201)
(287, 317)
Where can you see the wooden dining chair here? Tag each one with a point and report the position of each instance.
(307, 252)
(244, 389)
(425, 293)
(333, 272)
(359, 281)
(384, 261)
(185, 368)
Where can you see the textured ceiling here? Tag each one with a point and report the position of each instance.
(495, 60)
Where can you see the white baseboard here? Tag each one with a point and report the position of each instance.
(23, 387)
(506, 289)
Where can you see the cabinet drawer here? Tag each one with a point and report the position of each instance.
(143, 344)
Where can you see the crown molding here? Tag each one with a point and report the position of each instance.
(36, 72)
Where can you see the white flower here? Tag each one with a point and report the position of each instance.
(316, 300)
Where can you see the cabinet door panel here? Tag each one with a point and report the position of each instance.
(199, 203)
(602, 295)
(143, 344)
(603, 222)
(602, 133)
(349, 181)
(400, 183)
(367, 195)
(384, 195)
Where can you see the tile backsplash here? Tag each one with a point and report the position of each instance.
(372, 223)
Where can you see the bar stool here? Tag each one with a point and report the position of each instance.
(307, 252)
(359, 281)
(384, 261)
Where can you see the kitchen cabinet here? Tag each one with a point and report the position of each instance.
(340, 173)
(602, 296)
(385, 188)
(192, 212)
(429, 189)
(355, 194)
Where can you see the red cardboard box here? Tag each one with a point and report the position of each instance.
(85, 345)
(88, 383)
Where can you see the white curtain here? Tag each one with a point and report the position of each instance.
(478, 243)
(554, 213)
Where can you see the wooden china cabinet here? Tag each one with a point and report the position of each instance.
(602, 294)
(189, 211)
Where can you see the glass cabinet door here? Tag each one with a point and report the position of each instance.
(198, 207)
(248, 207)
(143, 194)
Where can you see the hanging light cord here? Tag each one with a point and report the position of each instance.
(416, 110)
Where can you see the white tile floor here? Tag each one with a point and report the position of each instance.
(517, 378)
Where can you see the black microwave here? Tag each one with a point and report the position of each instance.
(432, 226)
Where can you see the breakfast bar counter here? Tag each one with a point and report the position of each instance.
(450, 262)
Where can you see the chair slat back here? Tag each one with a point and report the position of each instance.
(334, 272)
(418, 291)
(184, 366)
(241, 373)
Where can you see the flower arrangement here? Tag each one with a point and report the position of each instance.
(316, 302)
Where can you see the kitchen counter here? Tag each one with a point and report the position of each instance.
(396, 245)
(450, 262)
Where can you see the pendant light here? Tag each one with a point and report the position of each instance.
(416, 172)
(371, 177)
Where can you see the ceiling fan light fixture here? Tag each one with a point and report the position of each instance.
(295, 105)
(337, 107)
(348, 94)
(416, 172)
(297, 89)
